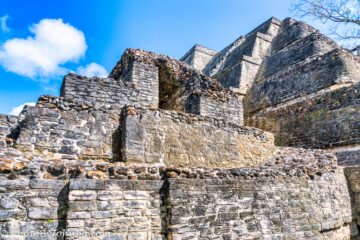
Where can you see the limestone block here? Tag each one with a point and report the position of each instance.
(42, 213)
(78, 206)
(46, 184)
(78, 215)
(110, 195)
(9, 203)
(82, 195)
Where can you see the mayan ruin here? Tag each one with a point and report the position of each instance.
(260, 140)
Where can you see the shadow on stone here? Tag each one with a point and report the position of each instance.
(165, 210)
(347, 173)
(117, 139)
(63, 201)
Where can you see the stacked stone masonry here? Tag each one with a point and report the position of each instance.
(167, 149)
(173, 139)
(296, 194)
(237, 64)
(7, 125)
(198, 56)
(306, 92)
(179, 84)
(67, 129)
(63, 128)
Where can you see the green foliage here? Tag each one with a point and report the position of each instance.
(138, 185)
(319, 114)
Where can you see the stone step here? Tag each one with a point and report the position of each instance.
(323, 120)
(314, 44)
(337, 67)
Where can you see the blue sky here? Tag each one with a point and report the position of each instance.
(99, 31)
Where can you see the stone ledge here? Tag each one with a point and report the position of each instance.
(52, 174)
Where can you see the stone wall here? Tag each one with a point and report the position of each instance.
(315, 44)
(178, 83)
(193, 208)
(296, 194)
(139, 86)
(72, 129)
(198, 56)
(97, 90)
(177, 139)
(30, 207)
(337, 67)
(69, 128)
(330, 119)
(230, 110)
(353, 178)
(8, 124)
(80, 209)
(348, 155)
(145, 79)
(285, 208)
(121, 209)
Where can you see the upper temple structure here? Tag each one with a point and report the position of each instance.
(260, 140)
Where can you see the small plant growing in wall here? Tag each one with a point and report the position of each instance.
(138, 185)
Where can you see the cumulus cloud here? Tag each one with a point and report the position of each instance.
(17, 110)
(92, 69)
(3, 24)
(52, 44)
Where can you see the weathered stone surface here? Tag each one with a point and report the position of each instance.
(334, 68)
(348, 155)
(78, 132)
(178, 83)
(198, 56)
(9, 128)
(96, 175)
(328, 122)
(42, 213)
(306, 92)
(183, 140)
(82, 195)
(260, 208)
(46, 184)
(237, 64)
(293, 185)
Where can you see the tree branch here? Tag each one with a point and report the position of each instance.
(333, 10)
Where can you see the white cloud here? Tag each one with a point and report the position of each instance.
(17, 110)
(92, 69)
(3, 25)
(53, 43)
